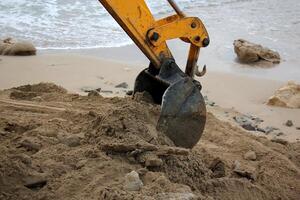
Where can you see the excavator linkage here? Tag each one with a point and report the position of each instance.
(183, 112)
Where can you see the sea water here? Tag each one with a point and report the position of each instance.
(85, 24)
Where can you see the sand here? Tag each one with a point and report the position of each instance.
(232, 94)
(58, 145)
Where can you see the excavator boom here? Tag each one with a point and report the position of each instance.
(178, 93)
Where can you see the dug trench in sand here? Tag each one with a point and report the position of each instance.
(57, 145)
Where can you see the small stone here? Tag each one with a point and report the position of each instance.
(250, 155)
(133, 182)
(153, 162)
(280, 134)
(129, 93)
(280, 141)
(35, 183)
(107, 91)
(38, 99)
(71, 141)
(142, 171)
(246, 122)
(92, 113)
(122, 85)
(242, 172)
(289, 123)
(298, 128)
(246, 174)
(218, 168)
(236, 165)
(93, 93)
(80, 164)
(249, 127)
(30, 145)
(270, 129)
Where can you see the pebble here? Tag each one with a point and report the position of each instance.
(250, 155)
(280, 134)
(242, 172)
(153, 162)
(129, 93)
(280, 141)
(107, 91)
(133, 182)
(72, 141)
(35, 183)
(289, 123)
(30, 145)
(122, 85)
(218, 168)
(93, 93)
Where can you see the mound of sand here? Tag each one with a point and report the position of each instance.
(248, 52)
(13, 47)
(288, 96)
(68, 146)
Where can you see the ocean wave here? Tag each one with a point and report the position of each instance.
(69, 24)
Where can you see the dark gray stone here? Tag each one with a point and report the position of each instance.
(289, 123)
(122, 85)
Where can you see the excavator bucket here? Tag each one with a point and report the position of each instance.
(183, 111)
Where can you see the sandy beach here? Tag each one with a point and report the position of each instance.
(72, 128)
(77, 73)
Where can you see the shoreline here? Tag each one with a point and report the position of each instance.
(230, 92)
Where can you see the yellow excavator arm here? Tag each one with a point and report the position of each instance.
(182, 103)
(150, 35)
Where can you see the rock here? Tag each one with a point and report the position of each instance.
(30, 145)
(280, 141)
(250, 155)
(71, 141)
(80, 164)
(133, 182)
(287, 96)
(246, 174)
(13, 47)
(269, 129)
(236, 165)
(280, 134)
(122, 85)
(248, 52)
(35, 182)
(246, 122)
(298, 128)
(289, 123)
(92, 113)
(153, 162)
(218, 168)
(142, 171)
(129, 93)
(107, 91)
(93, 93)
(237, 169)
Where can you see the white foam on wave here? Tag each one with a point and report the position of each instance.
(71, 24)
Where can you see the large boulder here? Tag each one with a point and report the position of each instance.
(287, 96)
(13, 47)
(248, 52)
